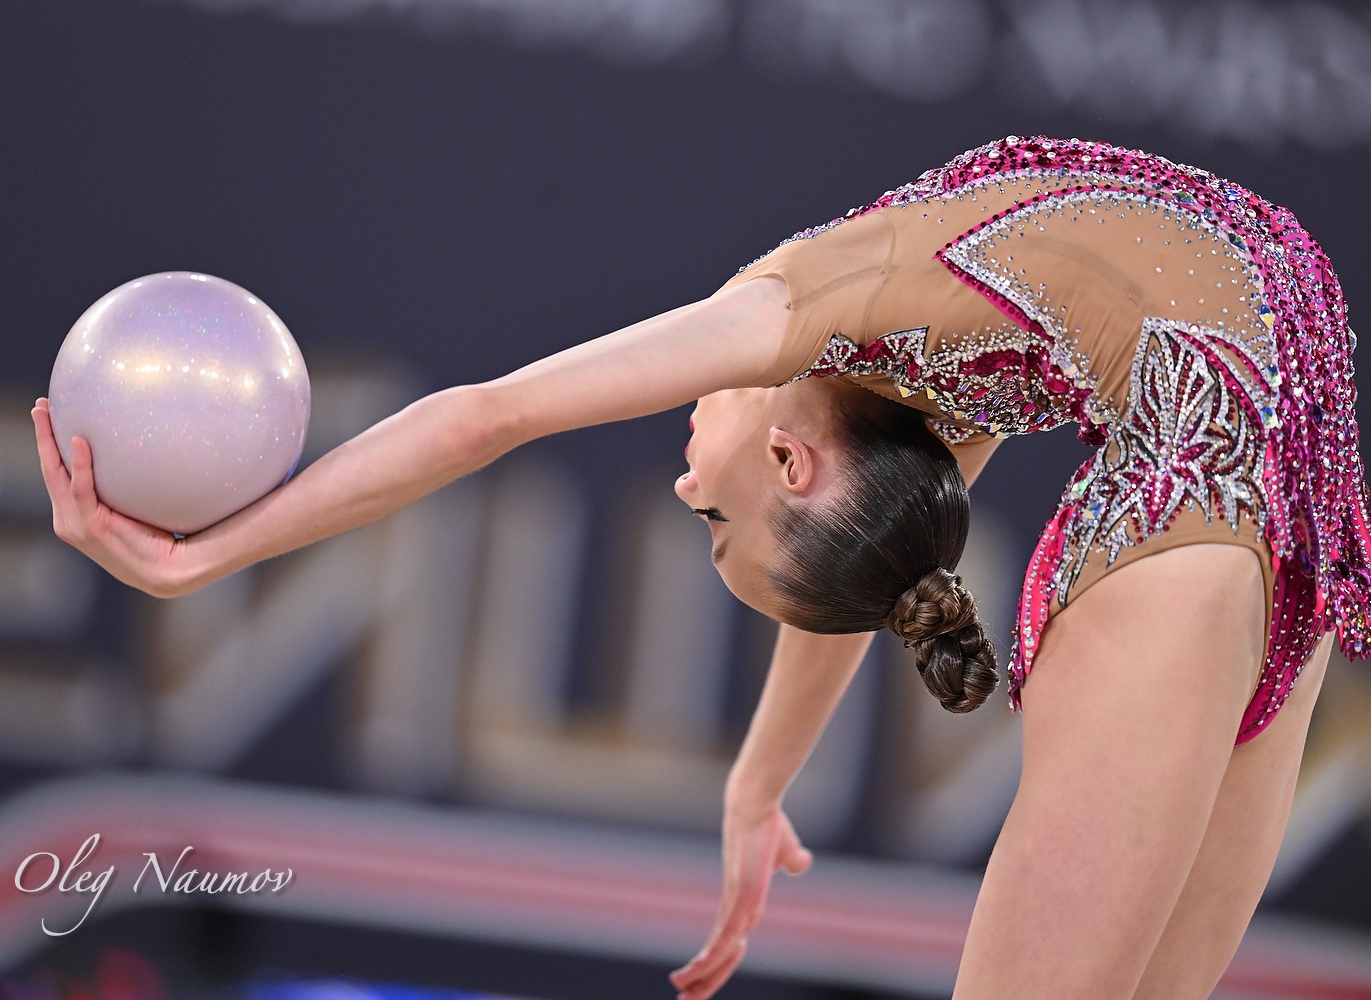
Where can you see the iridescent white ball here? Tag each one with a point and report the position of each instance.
(192, 393)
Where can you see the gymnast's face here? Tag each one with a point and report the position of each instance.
(749, 449)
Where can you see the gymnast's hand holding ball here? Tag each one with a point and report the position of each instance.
(176, 400)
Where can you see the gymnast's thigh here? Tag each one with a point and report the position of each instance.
(1129, 716)
(1239, 850)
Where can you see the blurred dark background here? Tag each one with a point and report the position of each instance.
(432, 192)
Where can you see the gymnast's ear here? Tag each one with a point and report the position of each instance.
(793, 459)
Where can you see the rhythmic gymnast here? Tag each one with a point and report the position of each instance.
(851, 384)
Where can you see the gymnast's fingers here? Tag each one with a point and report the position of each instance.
(706, 986)
(55, 476)
(738, 916)
(83, 482)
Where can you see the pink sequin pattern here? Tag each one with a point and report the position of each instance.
(1278, 441)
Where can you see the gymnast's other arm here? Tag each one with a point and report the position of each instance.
(805, 682)
(734, 339)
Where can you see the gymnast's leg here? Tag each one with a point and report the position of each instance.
(1238, 850)
(1130, 713)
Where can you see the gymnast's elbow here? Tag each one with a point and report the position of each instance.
(473, 425)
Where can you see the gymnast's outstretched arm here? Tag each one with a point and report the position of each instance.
(734, 339)
(806, 680)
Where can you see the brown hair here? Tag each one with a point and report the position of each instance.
(878, 551)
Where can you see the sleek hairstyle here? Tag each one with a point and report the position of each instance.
(878, 551)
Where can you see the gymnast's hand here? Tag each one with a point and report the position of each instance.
(756, 845)
(138, 554)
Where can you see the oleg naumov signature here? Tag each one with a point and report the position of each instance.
(44, 871)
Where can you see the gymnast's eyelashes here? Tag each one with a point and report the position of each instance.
(709, 513)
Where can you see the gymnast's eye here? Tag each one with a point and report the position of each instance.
(709, 513)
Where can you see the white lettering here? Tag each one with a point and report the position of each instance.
(85, 882)
(157, 868)
(82, 852)
(23, 866)
(96, 890)
(92, 883)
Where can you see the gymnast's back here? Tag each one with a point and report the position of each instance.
(1193, 331)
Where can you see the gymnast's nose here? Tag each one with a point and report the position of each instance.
(687, 487)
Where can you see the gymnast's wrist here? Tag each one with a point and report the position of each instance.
(186, 571)
(751, 795)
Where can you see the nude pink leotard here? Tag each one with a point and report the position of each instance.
(1194, 332)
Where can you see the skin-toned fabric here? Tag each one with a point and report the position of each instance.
(1194, 333)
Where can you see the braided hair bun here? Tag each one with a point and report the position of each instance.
(937, 619)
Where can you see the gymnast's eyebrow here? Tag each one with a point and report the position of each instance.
(718, 553)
